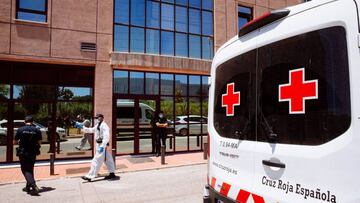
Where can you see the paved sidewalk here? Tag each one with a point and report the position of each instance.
(123, 164)
(175, 185)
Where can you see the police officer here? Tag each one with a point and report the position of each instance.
(102, 137)
(29, 139)
(161, 129)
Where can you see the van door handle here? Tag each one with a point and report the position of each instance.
(273, 164)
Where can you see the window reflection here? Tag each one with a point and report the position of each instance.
(167, 81)
(121, 82)
(136, 83)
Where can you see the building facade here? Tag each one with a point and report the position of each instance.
(62, 60)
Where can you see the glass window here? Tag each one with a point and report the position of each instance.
(239, 126)
(181, 84)
(137, 12)
(207, 4)
(170, 1)
(34, 92)
(4, 92)
(75, 93)
(152, 83)
(181, 44)
(32, 10)
(136, 83)
(167, 17)
(167, 84)
(194, 85)
(181, 19)
(244, 15)
(182, 2)
(194, 44)
(195, 3)
(167, 43)
(122, 11)
(205, 86)
(137, 40)
(121, 82)
(316, 69)
(207, 48)
(152, 41)
(153, 14)
(194, 21)
(121, 38)
(3, 130)
(207, 23)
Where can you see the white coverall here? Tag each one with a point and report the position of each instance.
(99, 158)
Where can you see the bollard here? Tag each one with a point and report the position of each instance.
(162, 154)
(170, 141)
(52, 161)
(205, 150)
(113, 152)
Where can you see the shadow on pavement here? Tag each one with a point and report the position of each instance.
(46, 189)
(102, 179)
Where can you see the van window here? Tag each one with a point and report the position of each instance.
(320, 56)
(240, 71)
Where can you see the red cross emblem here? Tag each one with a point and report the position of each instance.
(230, 99)
(297, 91)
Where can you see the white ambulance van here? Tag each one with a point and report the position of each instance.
(284, 108)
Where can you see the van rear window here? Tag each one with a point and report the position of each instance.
(299, 90)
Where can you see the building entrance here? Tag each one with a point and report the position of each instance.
(133, 130)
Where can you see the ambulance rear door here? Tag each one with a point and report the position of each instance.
(306, 147)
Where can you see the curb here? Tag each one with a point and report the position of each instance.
(116, 172)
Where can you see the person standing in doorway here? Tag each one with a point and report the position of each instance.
(102, 137)
(29, 139)
(161, 129)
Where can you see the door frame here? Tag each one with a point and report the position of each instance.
(136, 99)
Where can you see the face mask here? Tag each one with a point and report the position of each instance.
(161, 115)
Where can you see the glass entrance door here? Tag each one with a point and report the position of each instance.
(132, 130)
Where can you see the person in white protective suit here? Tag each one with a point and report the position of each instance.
(102, 138)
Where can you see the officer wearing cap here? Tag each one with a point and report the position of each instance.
(29, 139)
(102, 137)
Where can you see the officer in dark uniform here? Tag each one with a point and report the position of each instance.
(29, 139)
(161, 129)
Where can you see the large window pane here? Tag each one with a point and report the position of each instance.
(152, 41)
(136, 83)
(125, 122)
(153, 14)
(121, 82)
(194, 44)
(34, 92)
(138, 12)
(181, 84)
(207, 48)
(181, 124)
(122, 11)
(195, 122)
(194, 85)
(207, 4)
(167, 17)
(121, 38)
(167, 106)
(167, 43)
(205, 86)
(3, 131)
(181, 19)
(207, 23)
(181, 44)
(31, 16)
(182, 2)
(137, 40)
(152, 83)
(37, 5)
(75, 93)
(167, 84)
(194, 21)
(195, 3)
(4, 92)
(81, 112)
